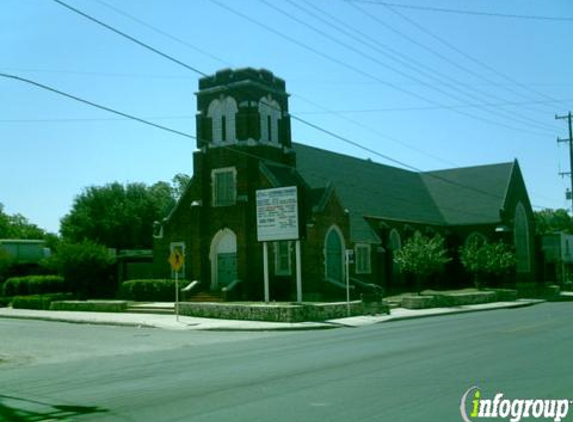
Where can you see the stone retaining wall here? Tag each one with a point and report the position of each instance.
(438, 300)
(273, 312)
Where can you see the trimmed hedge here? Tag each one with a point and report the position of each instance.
(151, 290)
(33, 285)
(89, 306)
(41, 302)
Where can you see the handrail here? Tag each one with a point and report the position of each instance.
(368, 286)
(339, 283)
(226, 291)
(191, 286)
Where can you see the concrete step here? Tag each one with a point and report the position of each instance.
(152, 308)
(205, 297)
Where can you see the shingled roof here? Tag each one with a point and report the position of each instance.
(472, 195)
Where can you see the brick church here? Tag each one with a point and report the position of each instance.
(244, 145)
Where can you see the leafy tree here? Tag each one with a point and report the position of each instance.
(86, 267)
(118, 216)
(179, 184)
(422, 256)
(18, 227)
(551, 221)
(482, 259)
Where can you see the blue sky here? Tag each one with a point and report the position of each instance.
(426, 85)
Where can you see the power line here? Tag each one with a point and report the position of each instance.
(358, 70)
(460, 52)
(130, 38)
(312, 125)
(244, 153)
(465, 12)
(401, 59)
(161, 32)
(91, 103)
(377, 46)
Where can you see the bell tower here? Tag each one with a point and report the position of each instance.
(246, 107)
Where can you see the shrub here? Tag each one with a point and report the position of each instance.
(422, 256)
(482, 258)
(41, 302)
(149, 290)
(33, 285)
(87, 268)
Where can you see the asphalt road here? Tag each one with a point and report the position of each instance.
(414, 370)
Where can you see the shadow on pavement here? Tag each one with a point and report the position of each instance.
(16, 409)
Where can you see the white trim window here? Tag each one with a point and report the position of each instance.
(224, 182)
(222, 112)
(362, 258)
(180, 246)
(270, 114)
(283, 258)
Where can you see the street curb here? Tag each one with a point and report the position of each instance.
(390, 318)
(465, 311)
(72, 321)
(326, 325)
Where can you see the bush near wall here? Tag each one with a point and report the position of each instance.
(41, 302)
(150, 290)
(33, 285)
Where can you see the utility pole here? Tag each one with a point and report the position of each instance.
(570, 141)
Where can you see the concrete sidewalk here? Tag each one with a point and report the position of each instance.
(191, 323)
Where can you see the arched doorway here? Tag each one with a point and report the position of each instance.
(334, 255)
(223, 259)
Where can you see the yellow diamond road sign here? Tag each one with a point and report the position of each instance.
(176, 259)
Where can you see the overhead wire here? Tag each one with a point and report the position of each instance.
(451, 46)
(405, 60)
(303, 121)
(360, 71)
(466, 12)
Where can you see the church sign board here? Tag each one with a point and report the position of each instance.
(277, 214)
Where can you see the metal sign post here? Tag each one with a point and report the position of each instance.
(176, 259)
(348, 254)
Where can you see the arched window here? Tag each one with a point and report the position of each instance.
(394, 244)
(475, 236)
(222, 112)
(521, 239)
(334, 255)
(270, 114)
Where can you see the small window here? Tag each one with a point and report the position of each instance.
(282, 258)
(363, 259)
(224, 187)
(180, 246)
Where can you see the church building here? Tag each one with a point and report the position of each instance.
(344, 203)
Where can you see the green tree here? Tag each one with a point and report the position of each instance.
(18, 227)
(485, 259)
(422, 256)
(118, 216)
(86, 267)
(179, 184)
(551, 221)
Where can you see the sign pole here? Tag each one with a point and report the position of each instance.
(298, 274)
(266, 270)
(347, 264)
(177, 296)
(176, 259)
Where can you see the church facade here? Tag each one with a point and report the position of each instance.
(344, 203)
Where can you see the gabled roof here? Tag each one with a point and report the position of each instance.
(472, 195)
